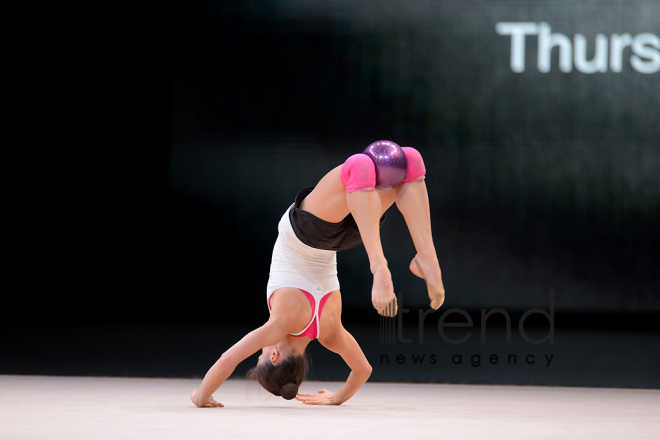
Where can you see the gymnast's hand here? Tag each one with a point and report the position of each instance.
(210, 402)
(324, 397)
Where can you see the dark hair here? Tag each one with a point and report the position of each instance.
(282, 378)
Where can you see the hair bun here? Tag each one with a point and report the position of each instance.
(289, 391)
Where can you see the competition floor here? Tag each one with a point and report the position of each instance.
(73, 408)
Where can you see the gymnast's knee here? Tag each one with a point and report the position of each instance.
(416, 168)
(358, 173)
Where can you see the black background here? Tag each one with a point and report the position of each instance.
(174, 138)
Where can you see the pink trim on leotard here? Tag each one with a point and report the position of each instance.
(311, 330)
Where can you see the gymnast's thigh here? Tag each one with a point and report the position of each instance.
(387, 198)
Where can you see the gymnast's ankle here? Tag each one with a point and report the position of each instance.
(378, 266)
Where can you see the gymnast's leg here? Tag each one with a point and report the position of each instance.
(413, 201)
(358, 176)
(366, 208)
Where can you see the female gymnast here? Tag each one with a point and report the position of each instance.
(344, 209)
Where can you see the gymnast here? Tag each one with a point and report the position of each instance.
(345, 209)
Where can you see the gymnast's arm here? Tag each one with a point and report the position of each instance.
(345, 345)
(270, 333)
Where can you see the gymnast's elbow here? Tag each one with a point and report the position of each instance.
(226, 362)
(363, 372)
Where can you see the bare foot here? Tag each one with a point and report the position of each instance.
(382, 293)
(429, 271)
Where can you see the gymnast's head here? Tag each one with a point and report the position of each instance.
(280, 371)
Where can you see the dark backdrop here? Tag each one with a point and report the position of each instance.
(537, 181)
(204, 118)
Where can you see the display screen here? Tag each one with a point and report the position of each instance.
(539, 124)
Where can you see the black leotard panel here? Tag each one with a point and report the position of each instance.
(319, 234)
